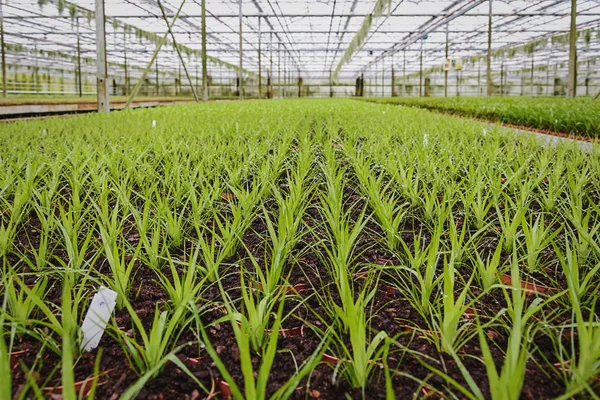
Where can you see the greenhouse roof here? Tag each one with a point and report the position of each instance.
(311, 38)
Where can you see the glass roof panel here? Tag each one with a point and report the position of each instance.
(305, 38)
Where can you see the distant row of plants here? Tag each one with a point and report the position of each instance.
(579, 116)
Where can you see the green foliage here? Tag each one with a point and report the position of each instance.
(253, 217)
(574, 116)
(359, 37)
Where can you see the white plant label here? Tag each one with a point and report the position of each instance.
(154, 123)
(94, 324)
(425, 139)
(484, 131)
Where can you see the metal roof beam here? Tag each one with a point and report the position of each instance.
(256, 15)
(301, 31)
(426, 28)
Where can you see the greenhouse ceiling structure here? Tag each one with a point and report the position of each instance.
(325, 43)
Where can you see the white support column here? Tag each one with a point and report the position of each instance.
(240, 73)
(489, 53)
(446, 71)
(404, 73)
(3, 49)
(259, 60)
(573, 51)
(101, 66)
(204, 66)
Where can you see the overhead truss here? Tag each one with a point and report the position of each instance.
(296, 38)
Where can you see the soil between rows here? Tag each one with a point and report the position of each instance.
(391, 312)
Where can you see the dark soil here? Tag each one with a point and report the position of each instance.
(392, 311)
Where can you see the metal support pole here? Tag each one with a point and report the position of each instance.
(489, 52)
(362, 85)
(187, 74)
(522, 83)
(101, 66)
(531, 83)
(404, 74)
(587, 78)
(376, 79)
(285, 74)
(36, 75)
(259, 60)
(446, 71)
(457, 82)
(393, 91)
(421, 70)
(79, 81)
(382, 78)
(502, 78)
(204, 71)
(279, 69)
(125, 63)
(270, 89)
(479, 77)
(554, 82)
(548, 79)
(149, 66)
(4, 85)
(240, 73)
(573, 51)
